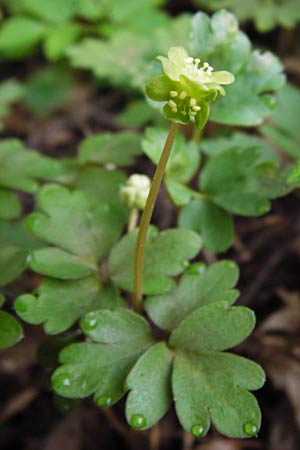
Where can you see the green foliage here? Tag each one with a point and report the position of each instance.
(110, 148)
(266, 14)
(47, 90)
(123, 357)
(19, 36)
(10, 330)
(100, 367)
(257, 75)
(211, 284)
(283, 127)
(11, 91)
(165, 256)
(80, 233)
(237, 181)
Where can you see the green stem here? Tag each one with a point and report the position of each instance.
(146, 218)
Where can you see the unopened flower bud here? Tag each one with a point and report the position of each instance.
(135, 192)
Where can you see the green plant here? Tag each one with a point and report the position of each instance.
(94, 272)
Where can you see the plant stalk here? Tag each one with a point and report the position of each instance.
(146, 218)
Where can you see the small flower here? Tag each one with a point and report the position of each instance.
(187, 87)
(134, 194)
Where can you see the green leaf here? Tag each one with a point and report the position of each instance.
(10, 330)
(13, 260)
(179, 193)
(213, 327)
(208, 219)
(214, 146)
(234, 181)
(184, 159)
(119, 148)
(51, 10)
(47, 90)
(213, 387)
(138, 113)
(19, 35)
(59, 304)
(101, 185)
(283, 127)
(58, 38)
(212, 284)
(119, 60)
(266, 14)
(149, 382)
(11, 91)
(165, 254)
(257, 75)
(101, 368)
(10, 205)
(21, 168)
(82, 232)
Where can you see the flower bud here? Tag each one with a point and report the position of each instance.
(135, 192)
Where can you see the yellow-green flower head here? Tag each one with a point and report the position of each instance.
(187, 86)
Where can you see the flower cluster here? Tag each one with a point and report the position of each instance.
(134, 194)
(187, 87)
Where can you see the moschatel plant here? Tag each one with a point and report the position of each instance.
(116, 286)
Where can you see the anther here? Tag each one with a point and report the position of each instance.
(172, 104)
(182, 95)
(196, 108)
(173, 93)
(189, 59)
(193, 102)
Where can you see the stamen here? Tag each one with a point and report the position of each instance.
(182, 95)
(192, 113)
(172, 104)
(197, 61)
(173, 93)
(193, 102)
(196, 108)
(183, 112)
(189, 59)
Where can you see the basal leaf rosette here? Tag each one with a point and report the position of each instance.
(187, 87)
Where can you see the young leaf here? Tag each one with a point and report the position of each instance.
(164, 257)
(58, 38)
(10, 330)
(51, 10)
(101, 368)
(149, 382)
(212, 284)
(257, 75)
(82, 233)
(213, 387)
(58, 304)
(11, 91)
(21, 168)
(119, 149)
(208, 219)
